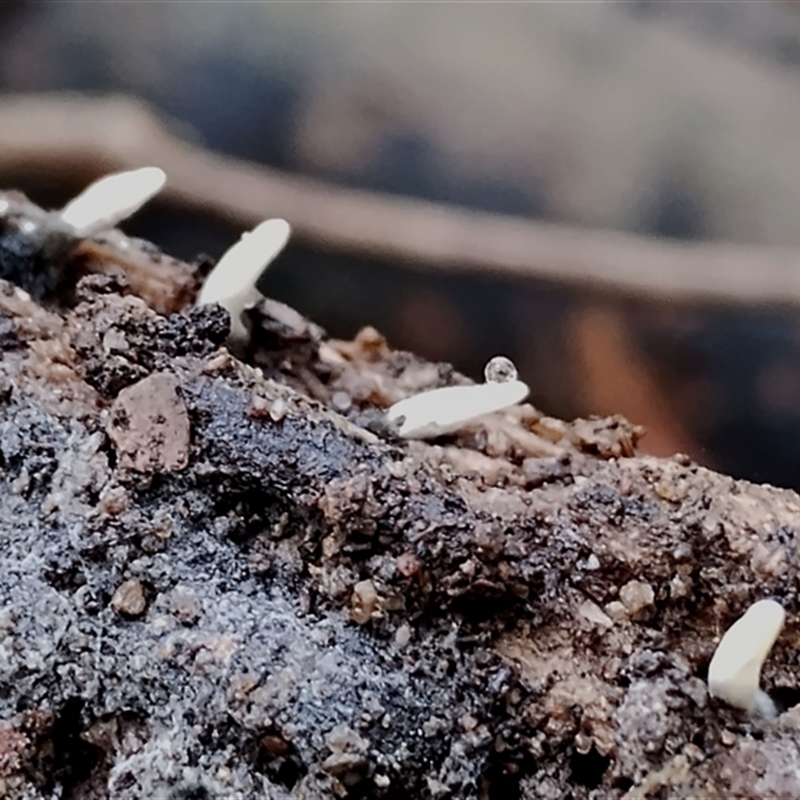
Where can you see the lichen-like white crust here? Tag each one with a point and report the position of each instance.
(446, 410)
(108, 201)
(232, 282)
(735, 670)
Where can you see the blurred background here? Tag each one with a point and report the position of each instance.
(676, 121)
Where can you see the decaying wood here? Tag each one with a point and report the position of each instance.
(85, 138)
(301, 607)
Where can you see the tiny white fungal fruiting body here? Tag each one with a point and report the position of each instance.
(735, 670)
(108, 201)
(232, 282)
(439, 411)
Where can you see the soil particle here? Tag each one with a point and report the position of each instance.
(637, 597)
(129, 598)
(364, 602)
(149, 425)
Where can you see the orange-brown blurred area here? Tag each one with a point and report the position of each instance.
(666, 121)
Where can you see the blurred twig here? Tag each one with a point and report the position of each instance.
(88, 136)
(615, 376)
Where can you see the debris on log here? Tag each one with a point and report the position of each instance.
(226, 578)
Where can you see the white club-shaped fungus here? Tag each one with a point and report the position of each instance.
(439, 411)
(232, 282)
(108, 201)
(735, 670)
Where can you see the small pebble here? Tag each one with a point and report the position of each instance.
(693, 752)
(113, 500)
(363, 602)
(402, 636)
(129, 598)
(592, 613)
(277, 410)
(678, 587)
(682, 552)
(260, 406)
(408, 564)
(728, 738)
(616, 611)
(637, 597)
(341, 402)
(21, 483)
(218, 362)
(340, 764)
(371, 343)
(468, 722)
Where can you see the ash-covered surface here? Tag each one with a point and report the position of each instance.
(227, 581)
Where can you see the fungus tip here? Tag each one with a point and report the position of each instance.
(232, 282)
(735, 669)
(109, 200)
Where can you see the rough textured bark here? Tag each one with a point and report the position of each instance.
(224, 578)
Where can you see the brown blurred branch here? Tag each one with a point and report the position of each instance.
(90, 136)
(615, 376)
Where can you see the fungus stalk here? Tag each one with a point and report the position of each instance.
(232, 282)
(735, 670)
(439, 411)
